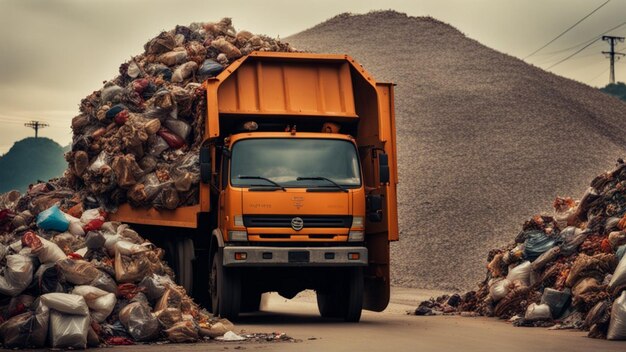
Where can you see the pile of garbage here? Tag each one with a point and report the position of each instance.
(71, 279)
(137, 139)
(566, 270)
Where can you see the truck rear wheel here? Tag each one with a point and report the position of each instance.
(225, 289)
(345, 299)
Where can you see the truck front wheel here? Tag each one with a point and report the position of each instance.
(344, 299)
(225, 289)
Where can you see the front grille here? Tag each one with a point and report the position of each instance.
(310, 221)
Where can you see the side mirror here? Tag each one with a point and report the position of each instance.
(383, 167)
(374, 207)
(205, 164)
(226, 152)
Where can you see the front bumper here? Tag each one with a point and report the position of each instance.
(295, 256)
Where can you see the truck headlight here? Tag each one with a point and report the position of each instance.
(356, 236)
(237, 236)
(239, 220)
(357, 222)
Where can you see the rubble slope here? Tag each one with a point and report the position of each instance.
(485, 140)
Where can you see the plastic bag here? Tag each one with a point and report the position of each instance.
(537, 242)
(572, 237)
(47, 252)
(104, 282)
(140, 323)
(76, 228)
(536, 312)
(176, 57)
(498, 289)
(184, 71)
(101, 161)
(100, 302)
(68, 331)
(111, 92)
(158, 146)
(129, 248)
(619, 253)
(65, 303)
(546, 258)
(47, 279)
(17, 276)
(215, 329)
(521, 272)
(209, 68)
(173, 140)
(619, 276)
(169, 316)
(52, 219)
(182, 332)
(617, 326)
(179, 127)
(91, 214)
(94, 240)
(78, 272)
(557, 300)
(131, 268)
(154, 286)
(228, 49)
(28, 329)
(230, 336)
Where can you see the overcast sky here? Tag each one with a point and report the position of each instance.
(54, 53)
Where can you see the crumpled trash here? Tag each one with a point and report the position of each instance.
(100, 302)
(182, 332)
(230, 336)
(68, 330)
(537, 243)
(558, 301)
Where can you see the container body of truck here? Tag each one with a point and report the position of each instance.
(298, 188)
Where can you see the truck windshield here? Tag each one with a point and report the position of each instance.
(285, 160)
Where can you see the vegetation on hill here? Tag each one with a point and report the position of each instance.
(617, 89)
(30, 160)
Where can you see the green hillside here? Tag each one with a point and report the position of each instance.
(617, 89)
(29, 160)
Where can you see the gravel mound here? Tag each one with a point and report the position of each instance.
(485, 140)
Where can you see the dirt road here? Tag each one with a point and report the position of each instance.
(391, 330)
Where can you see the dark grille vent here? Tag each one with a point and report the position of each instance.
(310, 221)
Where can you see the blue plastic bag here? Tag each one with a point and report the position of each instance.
(52, 219)
(536, 244)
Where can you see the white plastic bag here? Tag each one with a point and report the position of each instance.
(617, 326)
(17, 276)
(68, 331)
(521, 273)
(499, 288)
(128, 248)
(89, 215)
(536, 312)
(100, 302)
(48, 252)
(65, 303)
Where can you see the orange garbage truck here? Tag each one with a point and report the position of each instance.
(298, 188)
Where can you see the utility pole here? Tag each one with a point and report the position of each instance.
(36, 125)
(612, 41)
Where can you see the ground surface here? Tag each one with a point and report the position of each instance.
(391, 330)
(485, 140)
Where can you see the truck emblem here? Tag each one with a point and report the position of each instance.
(297, 223)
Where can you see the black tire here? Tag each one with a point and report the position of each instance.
(225, 289)
(328, 305)
(250, 301)
(354, 295)
(345, 300)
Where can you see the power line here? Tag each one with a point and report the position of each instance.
(585, 42)
(567, 30)
(569, 57)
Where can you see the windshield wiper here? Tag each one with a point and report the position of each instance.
(321, 178)
(274, 183)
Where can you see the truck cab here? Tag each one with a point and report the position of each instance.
(297, 191)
